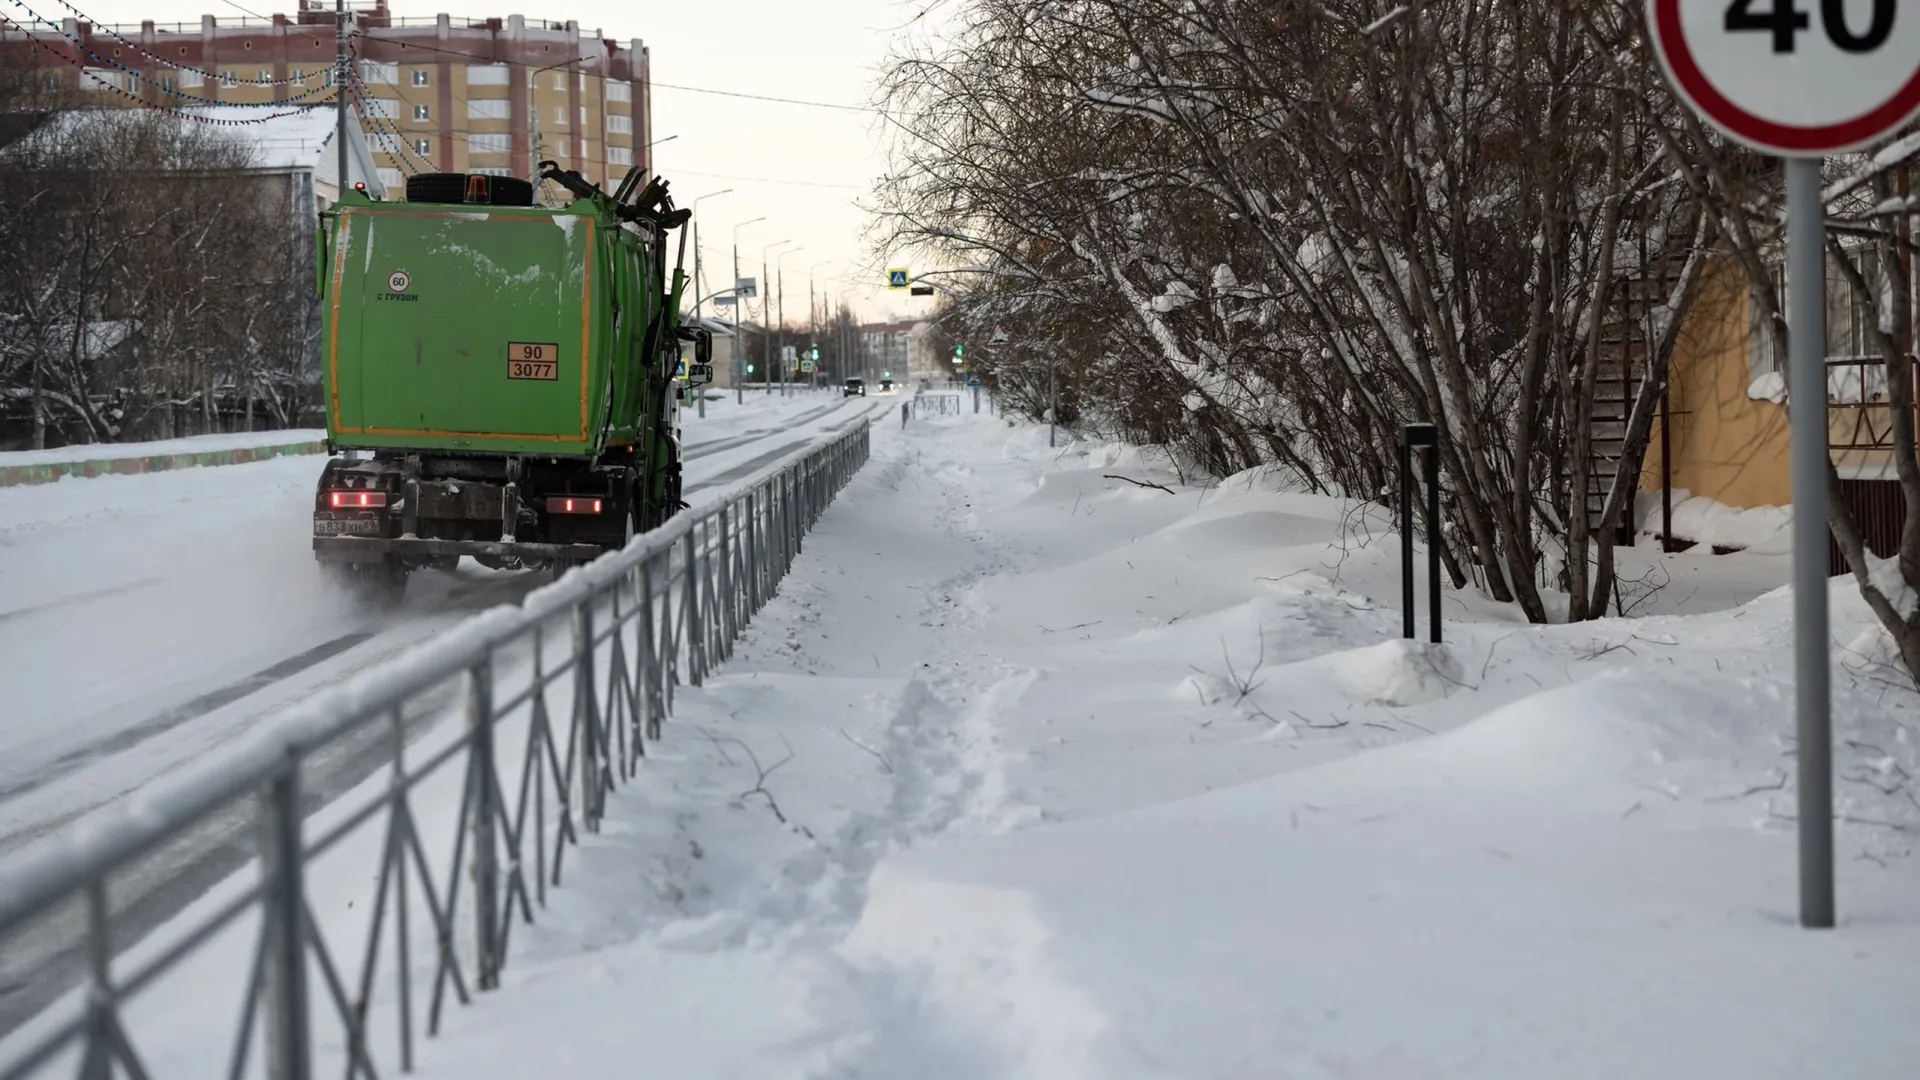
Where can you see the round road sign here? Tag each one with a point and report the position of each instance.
(1796, 78)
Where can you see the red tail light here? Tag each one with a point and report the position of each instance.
(572, 504)
(354, 500)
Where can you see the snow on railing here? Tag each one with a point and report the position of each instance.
(557, 700)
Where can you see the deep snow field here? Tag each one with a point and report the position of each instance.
(1033, 773)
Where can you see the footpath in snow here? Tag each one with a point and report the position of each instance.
(1031, 772)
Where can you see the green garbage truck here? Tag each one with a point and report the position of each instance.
(498, 375)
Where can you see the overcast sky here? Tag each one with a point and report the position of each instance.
(804, 169)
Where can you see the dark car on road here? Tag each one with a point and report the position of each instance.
(856, 388)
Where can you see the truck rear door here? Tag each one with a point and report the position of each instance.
(473, 329)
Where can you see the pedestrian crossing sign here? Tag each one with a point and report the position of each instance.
(897, 277)
(681, 371)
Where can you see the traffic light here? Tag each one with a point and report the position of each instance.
(749, 369)
(886, 374)
(959, 351)
(815, 354)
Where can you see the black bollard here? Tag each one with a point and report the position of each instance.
(1420, 437)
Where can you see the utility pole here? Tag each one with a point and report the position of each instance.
(766, 331)
(739, 324)
(340, 93)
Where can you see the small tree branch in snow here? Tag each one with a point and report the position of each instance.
(1247, 685)
(761, 772)
(877, 756)
(1138, 483)
(1319, 727)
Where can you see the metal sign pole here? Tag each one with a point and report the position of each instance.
(1807, 408)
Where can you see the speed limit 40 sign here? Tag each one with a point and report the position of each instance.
(1795, 78)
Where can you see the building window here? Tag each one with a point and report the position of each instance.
(559, 80)
(228, 78)
(487, 108)
(492, 170)
(101, 79)
(1763, 353)
(166, 84)
(371, 72)
(583, 80)
(390, 178)
(583, 116)
(332, 75)
(384, 108)
(420, 77)
(420, 112)
(1851, 329)
(51, 82)
(560, 115)
(560, 148)
(486, 74)
(420, 146)
(619, 91)
(619, 155)
(191, 79)
(298, 75)
(377, 142)
(264, 76)
(619, 125)
(490, 142)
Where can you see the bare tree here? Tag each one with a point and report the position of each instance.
(149, 285)
(1275, 232)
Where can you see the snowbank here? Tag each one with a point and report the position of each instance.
(1759, 529)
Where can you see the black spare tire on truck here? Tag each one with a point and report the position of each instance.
(452, 188)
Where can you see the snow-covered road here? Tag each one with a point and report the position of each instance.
(146, 620)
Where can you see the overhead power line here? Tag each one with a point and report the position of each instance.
(759, 179)
(765, 97)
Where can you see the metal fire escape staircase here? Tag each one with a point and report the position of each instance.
(1626, 342)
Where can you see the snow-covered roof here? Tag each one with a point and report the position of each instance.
(708, 323)
(296, 139)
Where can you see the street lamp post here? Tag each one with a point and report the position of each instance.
(780, 270)
(766, 331)
(739, 322)
(698, 298)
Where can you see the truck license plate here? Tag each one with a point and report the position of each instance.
(533, 360)
(358, 526)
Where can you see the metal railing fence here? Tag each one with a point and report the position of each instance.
(559, 696)
(936, 403)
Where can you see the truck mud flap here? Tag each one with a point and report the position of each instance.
(370, 549)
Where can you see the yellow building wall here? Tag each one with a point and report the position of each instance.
(1726, 446)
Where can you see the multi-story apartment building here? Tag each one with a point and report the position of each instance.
(440, 94)
(884, 348)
